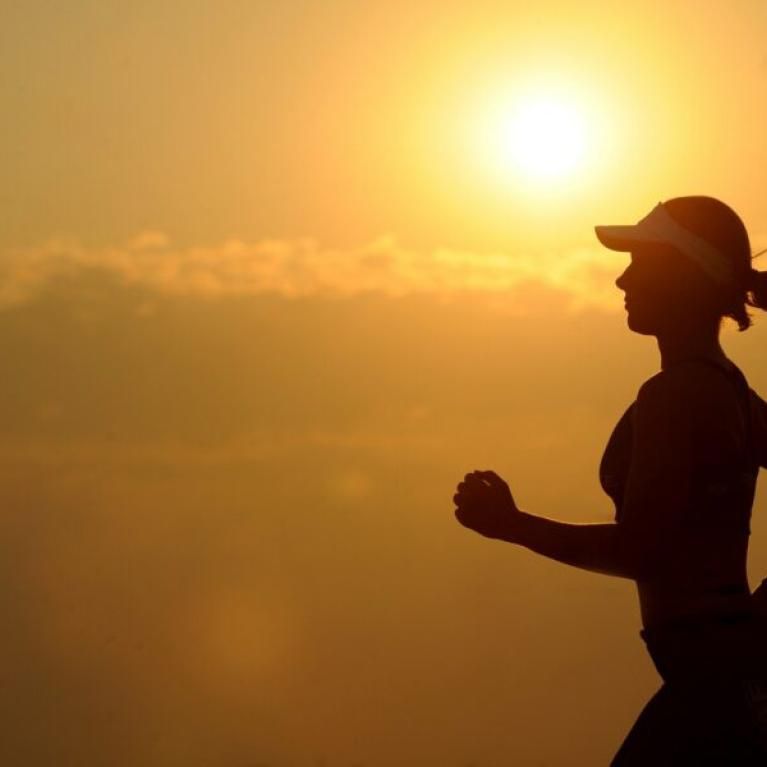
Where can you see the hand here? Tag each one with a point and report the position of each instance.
(485, 504)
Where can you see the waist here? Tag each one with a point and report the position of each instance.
(663, 610)
(697, 622)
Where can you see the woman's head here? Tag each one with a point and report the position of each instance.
(690, 265)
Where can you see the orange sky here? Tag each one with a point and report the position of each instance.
(263, 305)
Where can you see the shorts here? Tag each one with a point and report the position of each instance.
(712, 706)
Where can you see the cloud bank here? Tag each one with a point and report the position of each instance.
(302, 268)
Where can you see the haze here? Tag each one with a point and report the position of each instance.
(262, 307)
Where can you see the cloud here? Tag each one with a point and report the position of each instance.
(302, 267)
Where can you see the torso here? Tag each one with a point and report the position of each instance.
(694, 588)
(709, 574)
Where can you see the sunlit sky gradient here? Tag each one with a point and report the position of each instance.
(265, 297)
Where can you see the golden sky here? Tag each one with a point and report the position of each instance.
(265, 297)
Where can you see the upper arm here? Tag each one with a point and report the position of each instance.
(659, 482)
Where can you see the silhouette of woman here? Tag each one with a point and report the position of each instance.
(681, 468)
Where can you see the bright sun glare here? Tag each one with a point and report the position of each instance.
(540, 139)
(543, 138)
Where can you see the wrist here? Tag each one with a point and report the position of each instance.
(514, 527)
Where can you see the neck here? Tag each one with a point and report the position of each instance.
(690, 342)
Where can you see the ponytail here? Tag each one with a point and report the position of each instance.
(757, 289)
(752, 292)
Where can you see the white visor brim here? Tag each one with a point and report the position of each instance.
(622, 238)
(659, 227)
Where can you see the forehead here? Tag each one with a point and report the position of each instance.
(663, 261)
(650, 249)
(656, 253)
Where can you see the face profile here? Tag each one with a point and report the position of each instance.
(664, 291)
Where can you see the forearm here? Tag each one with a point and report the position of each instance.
(590, 546)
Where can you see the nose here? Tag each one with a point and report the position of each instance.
(620, 280)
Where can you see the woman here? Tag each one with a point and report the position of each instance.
(681, 468)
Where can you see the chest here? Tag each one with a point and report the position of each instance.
(722, 485)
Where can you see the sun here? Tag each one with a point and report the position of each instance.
(543, 138)
(537, 139)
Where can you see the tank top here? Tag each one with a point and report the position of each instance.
(722, 495)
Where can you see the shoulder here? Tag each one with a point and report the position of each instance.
(663, 416)
(686, 388)
(688, 409)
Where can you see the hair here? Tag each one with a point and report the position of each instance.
(721, 226)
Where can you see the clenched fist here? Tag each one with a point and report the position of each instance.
(485, 505)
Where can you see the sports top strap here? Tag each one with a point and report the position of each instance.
(735, 375)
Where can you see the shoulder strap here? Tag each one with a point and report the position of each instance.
(735, 375)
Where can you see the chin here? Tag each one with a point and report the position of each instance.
(641, 325)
